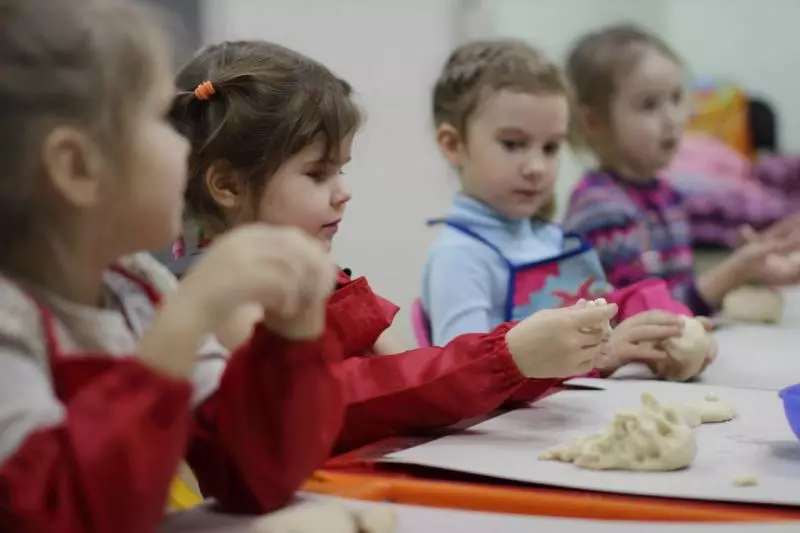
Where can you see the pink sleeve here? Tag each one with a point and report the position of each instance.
(646, 295)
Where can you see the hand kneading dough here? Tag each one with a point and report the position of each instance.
(753, 304)
(685, 354)
(308, 518)
(653, 438)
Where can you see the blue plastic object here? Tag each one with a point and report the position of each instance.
(791, 404)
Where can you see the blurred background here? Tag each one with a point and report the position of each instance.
(741, 56)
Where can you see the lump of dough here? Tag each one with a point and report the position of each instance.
(746, 481)
(377, 520)
(605, 327)
(753, 304)
(308, 518)
(707, 411)
(685, 354)
(654, 438)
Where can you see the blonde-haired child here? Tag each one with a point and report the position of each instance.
(501, 111)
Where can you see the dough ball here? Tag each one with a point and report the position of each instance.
(685, 354)
(753, 304)
(377, 520)
(653, 438)
(605, 327)
(308, 518)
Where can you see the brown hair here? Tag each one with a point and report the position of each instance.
(476, 70)
(599, 59)
(86, 63)
(267, 104)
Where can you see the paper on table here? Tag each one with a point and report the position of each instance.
(413, 519)
(757, 443)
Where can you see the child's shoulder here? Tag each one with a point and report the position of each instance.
(453, 242)
(21, 321)
(147, 268)
(598, 199)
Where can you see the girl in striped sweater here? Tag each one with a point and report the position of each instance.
(631, 113)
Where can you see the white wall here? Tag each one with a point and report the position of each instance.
(749, 41)
(390, 51)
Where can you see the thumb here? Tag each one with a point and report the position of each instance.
(591, 316)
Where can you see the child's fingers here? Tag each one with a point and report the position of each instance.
(708, 325)
(653, 333)
(659, 318)
(589, 317)
(644, 353)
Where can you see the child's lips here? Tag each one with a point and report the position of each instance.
(329, 230)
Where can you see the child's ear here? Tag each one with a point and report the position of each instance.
(224, 185)
(75, 166)
(590, 122)
(451, 144)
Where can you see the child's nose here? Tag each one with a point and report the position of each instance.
(534, 166)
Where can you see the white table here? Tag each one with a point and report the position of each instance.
(412, 519)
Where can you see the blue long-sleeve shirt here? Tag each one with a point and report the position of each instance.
(464, 281)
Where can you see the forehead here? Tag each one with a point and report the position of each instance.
(653, 72)
(523, 111)
(315, 151)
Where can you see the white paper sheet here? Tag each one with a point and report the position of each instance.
(413, 519)
(758, 443)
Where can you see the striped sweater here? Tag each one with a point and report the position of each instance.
(640, 230)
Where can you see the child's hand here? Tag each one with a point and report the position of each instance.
(557, 343)
(636, 338)
(766, 259)
(666, 369)
(283, 270)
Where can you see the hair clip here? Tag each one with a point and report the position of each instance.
(205, 90)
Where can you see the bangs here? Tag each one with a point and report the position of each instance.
(327, 113)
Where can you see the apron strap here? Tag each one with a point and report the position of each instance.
(469, 232)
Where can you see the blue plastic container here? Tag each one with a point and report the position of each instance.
(791, 404)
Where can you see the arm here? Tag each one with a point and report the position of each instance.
(271, 422)
(102, 463)
(459, 296)
(428, 388)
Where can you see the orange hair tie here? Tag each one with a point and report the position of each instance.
(205, 90)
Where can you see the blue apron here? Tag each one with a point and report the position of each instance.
(557, 281)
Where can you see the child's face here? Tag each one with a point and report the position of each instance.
(150, 204)
(647, 115)
(513, 151)
(308, 192)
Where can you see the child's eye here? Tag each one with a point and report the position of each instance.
(317, 175)
(511, 145)
(650, 104)
(677, 97)
(552, 148)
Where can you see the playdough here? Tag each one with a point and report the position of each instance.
(753, 304)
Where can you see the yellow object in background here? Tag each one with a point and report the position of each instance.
(184, 493)
(721, 110)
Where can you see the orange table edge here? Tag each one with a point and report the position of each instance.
(359, 475)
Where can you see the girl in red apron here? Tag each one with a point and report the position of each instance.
(108, 376)
(284, 125)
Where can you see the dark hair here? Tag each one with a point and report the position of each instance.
(86, 63)
(599, 59)
(268, 103)
(475, 70)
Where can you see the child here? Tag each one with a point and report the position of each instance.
(101, 394)
(501, 115)
(270, 130)
(631, 112)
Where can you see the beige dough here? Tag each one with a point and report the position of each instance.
(327, 518)
(308, 518)
(753, 304)
(606, 325)
(710, 410)
(685, 354)
(654, 438)
(746, 481)
(377, 520)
